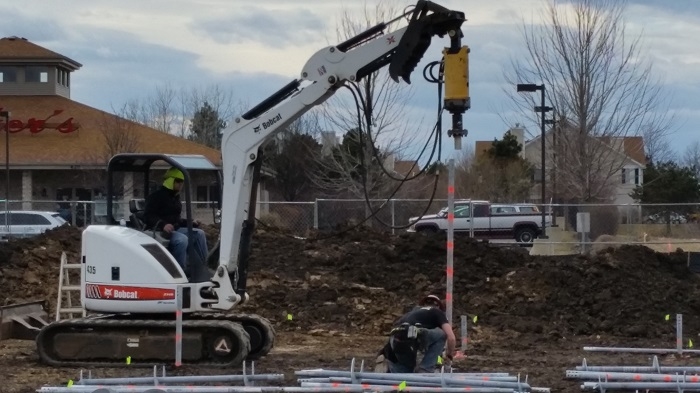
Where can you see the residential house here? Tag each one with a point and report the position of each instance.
(596, 169)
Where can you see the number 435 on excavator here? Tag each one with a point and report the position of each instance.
(131, 320)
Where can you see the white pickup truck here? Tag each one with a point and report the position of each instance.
(522, 222)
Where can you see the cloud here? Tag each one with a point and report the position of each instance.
(254, 48)
(683, 7)
(280, 29)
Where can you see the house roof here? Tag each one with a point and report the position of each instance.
(481, 148)
(403, 168)
(631, 147)
(19, 49)
(634, 148)
(75, 134)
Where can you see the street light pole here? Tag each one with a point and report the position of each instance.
(6, 115)
(555, 164)
(544, 210)
(529, 87)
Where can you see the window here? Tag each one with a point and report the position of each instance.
(636, 176)
(36, 74)
(8, 74)
(502, 210)
(529, 209)
(481, 210)
(624, 175)
(62, 77)
(537, 175)
(462, 211)
(207, 194)
(28, 219)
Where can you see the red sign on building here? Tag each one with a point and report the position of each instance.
(35, 126)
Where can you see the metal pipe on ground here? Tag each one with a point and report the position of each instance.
(641, 369)
(653, 386)
(642, 350)
(179, 379)
(637, 377)
(408, 379)
(417, 389)
(319, 373)
(371, 381)
(199, 389)
(436, 380)
(679, 344)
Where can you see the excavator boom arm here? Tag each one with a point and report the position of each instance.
(326, 71)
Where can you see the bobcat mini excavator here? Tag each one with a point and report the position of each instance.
(129, 279)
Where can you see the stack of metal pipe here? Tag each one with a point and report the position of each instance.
(443, 382)
(650, 378)
(174, 384)
(310, 381)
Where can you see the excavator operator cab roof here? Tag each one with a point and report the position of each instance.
(145, 162)
(141, 162)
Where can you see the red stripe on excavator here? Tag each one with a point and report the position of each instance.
(121, 292)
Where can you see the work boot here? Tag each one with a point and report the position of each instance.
(380, 365)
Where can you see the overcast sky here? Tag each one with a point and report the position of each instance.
(129, 47)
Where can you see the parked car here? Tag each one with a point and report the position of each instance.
(28, 223)
(664, 217)
(522, 222)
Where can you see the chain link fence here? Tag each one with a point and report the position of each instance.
(331, 214)
(665, 224)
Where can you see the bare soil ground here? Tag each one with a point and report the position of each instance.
(543, 361)
(534, 313)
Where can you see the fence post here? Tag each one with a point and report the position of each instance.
(393, 217)
(316, 213)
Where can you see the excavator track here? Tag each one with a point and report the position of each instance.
(218, 340)
(262, 333)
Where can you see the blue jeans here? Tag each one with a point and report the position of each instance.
(178, 245)
(432, 343)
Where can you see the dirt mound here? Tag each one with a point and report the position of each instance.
(29, 268)
(361, 281)
(364, 280)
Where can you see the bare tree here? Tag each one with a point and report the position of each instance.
(120, 134)
(381, 120)
(171, 110)
(691, 157)
(656, 144)
(599, 83)
(161, 108)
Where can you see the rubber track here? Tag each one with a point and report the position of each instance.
(262, 323)
(236, 330)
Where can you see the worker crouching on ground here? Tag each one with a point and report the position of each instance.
(163, 213)
(425, 329)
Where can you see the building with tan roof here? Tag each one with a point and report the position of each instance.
(58, 148)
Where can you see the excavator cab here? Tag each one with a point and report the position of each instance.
(145, 167)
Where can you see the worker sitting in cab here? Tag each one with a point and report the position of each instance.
(163, 213)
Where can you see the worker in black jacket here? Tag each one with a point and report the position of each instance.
(163, 213)
(426, 329)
